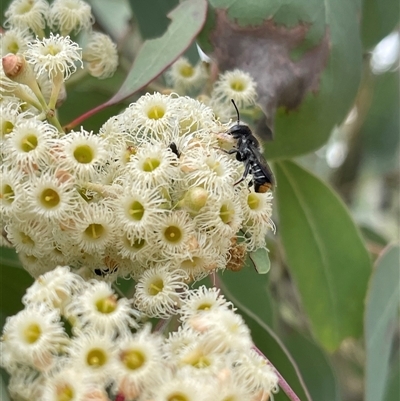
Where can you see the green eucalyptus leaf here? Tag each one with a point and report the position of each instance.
(381, 321)
(260, 260)
(249, 291)
(113, 16)
(379, 18)
(371, 235)
(151, 16)
(3, 390)
(156, 55)
(93, 92)
(325, 254)
(13, 285)
(383, 117)
(305, 57)
(8, 257)
(273, 348)
(393, 388)
(315, 367)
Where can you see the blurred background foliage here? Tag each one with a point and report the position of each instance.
(326, 314)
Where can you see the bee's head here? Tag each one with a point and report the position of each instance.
(239, 131)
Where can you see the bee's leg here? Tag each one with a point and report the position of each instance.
(230, 152)
(245, 174)
(239, 155)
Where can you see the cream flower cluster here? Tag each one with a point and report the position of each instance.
(26, 21)
(188, 79)
(152, 196)
(210, 357)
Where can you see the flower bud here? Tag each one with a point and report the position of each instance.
(194, 200)
(17, 69)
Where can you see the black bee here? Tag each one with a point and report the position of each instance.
(174, 149)
(248, 151)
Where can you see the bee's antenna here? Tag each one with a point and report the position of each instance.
(237, 111)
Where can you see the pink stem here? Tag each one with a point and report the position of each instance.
(84, 116)
(161, 325)
(283, 384)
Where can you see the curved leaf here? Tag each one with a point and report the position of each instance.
(151, 16)
(305, 56)
(112, 16)
(13, 285)
(315, 367)
(383, 117)
(393, 390)
(8, 257)
(271, 346)
(379, 18)
(325, 254)
(3, 390)
(260, 260)
(158, 54)
(381, 321)
(248, 290)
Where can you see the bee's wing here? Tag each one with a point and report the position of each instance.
(262, 163)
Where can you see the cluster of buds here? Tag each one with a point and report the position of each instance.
(208, 356)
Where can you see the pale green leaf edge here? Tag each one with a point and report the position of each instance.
(3, 391)
(172, 41)
(375, 391)
(261, 261)
(320, 246)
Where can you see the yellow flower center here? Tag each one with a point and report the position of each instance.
(197, 359)
(25, 7)
(26, 239)
(204, 306)
(32, 333)
(187, 71)
(52, 50)
(226, 213)
(133, 359)
(173, 234)
(156, 112)
(96, 358)
(65, 393)
(49, 198)
(136, 211)
(13, 48)
(107, 305)
(150, 164)
(253, 201)
(6, 127)
(190, 264)
(94, 231)
(29, 143)
(238, 86)
(156, 287)
(177, 397)
(7, 194)
(138, 243)
(84, 154)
